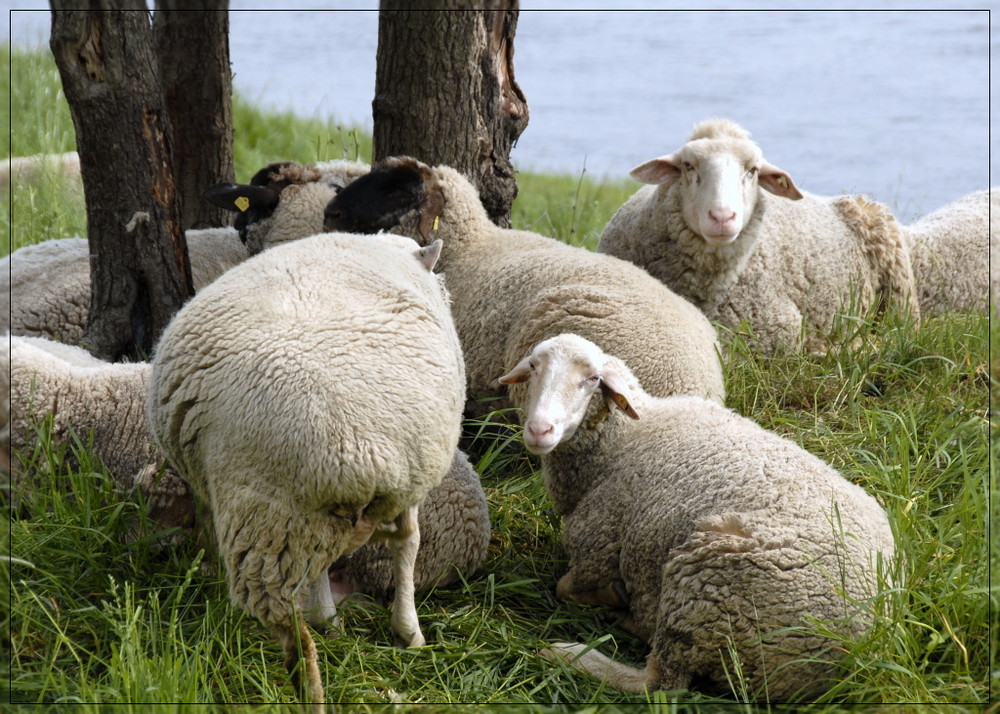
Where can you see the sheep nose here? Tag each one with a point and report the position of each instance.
(722, 216)
(537, 429)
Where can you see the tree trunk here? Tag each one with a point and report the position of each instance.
(191, 39)
(139, 266)
(445, 92)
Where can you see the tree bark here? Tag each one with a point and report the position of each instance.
(191, 39)
(445, 91)
(139, 267)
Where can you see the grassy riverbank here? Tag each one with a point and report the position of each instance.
(903, 412)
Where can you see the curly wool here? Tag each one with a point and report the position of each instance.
(285, 393)
(952, 250)
(720, 532)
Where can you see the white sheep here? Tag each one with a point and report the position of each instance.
(715, 535)
(28, 169)
(47, 290)
(309, 396)
(100, 404)
(512, 288)
(952, 250)
(706, 229)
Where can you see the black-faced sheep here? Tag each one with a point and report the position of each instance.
(512, 288)
(715, 535)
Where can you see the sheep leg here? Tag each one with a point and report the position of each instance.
(404, 544)
(291, 637)
(614, 674)
(320, 607)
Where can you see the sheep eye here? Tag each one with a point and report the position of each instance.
(594, 378)
(688, 166)
(531, 366)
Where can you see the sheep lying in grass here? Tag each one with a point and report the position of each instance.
(48, 293)
(714, 534)
(952, 250)
(103, 404)
(705, 227)
(312, 397)
(28, 168)
(512, 288)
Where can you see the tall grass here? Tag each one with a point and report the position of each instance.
(94, 617)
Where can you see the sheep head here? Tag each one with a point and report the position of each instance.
(718, 172)
(393, 192)
(565, 372)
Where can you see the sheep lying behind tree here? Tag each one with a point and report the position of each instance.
(512, 288)
(312, 398)
(714, 534)
(45, 288)
(716, 225)
(952, 250)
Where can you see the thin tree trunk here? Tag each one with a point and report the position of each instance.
(445, 92)
(140, 274)
(191, 39)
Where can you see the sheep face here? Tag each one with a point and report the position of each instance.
(565, 373)
(381, 199)
(719, 181)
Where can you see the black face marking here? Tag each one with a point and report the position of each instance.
(376, 201)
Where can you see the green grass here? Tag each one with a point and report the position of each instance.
(903, 411)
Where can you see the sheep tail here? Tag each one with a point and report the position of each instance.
(292, 637)
(614, 674)
(886, 250)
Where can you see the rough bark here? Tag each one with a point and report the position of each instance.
(191, 40)
(445, 91)
(140, 273)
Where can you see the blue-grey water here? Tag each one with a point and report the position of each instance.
(894, 103)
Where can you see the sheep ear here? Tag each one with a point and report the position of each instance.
(616, 391)
(776, 181)
(240, 198)
(430, 209)
(659, 170)
(429, 255)
(521, 373)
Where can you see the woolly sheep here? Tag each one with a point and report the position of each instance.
(48, 294)
(512, 288)
(310, 396)
(28, 168)
(706, 229)
(712, 532)
(88, 397)
(952, 249)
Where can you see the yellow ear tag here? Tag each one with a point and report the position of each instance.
(242, 203)
(437, 220)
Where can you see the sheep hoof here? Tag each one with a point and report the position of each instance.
(407, 641)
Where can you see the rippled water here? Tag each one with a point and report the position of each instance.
(892, 103)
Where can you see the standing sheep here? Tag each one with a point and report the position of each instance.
(713, 533)
(952, 250)
(706, 229)
(512, 288)
(312, 397)
(48, 288)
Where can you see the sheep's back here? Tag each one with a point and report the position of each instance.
(44, 289)
(329, 370)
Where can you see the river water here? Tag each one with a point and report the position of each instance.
(894, 103)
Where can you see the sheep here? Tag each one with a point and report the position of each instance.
(89, 399)
(714, 534)
(29, 168)
(48, 293)
(312, 397)
(512, 288)
(788, 262)
(952, 249)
